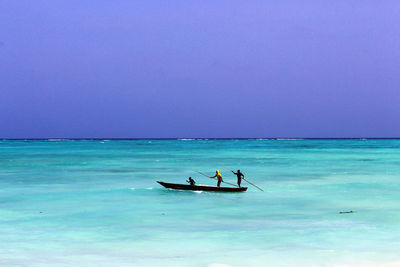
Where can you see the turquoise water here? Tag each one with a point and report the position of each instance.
(96, 203)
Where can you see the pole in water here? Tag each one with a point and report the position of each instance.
(244, 179)
(203, 174)
(253, 185)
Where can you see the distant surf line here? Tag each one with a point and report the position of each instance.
(203, 138)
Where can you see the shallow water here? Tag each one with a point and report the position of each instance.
(96, 203)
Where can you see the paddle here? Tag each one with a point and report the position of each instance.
(214, 178)
(244, 179)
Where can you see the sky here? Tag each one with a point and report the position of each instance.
(217, 69)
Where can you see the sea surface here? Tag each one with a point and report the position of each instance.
(97, 203)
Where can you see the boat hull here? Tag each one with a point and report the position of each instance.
(202, 187)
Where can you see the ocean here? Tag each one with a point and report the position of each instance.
(97, 203)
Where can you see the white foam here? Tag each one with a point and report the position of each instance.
(149, 188)
(289, 139)
(219, 265)
(132, 188)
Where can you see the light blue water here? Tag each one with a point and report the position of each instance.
(96, 203)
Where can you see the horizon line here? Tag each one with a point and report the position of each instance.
(204, 138)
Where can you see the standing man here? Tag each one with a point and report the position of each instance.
(219, 177)
(239, 176)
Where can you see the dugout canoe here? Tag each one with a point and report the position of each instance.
(202, 187)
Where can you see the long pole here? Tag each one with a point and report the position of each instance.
(215, 178)
(244, 179)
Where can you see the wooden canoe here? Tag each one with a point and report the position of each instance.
(202, 187)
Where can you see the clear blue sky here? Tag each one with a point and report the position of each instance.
(199, 68)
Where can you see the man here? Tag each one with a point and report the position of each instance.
(219, 177)
(191, 181)
(239, 176)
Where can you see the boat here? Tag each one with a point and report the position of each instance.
(202, 187)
